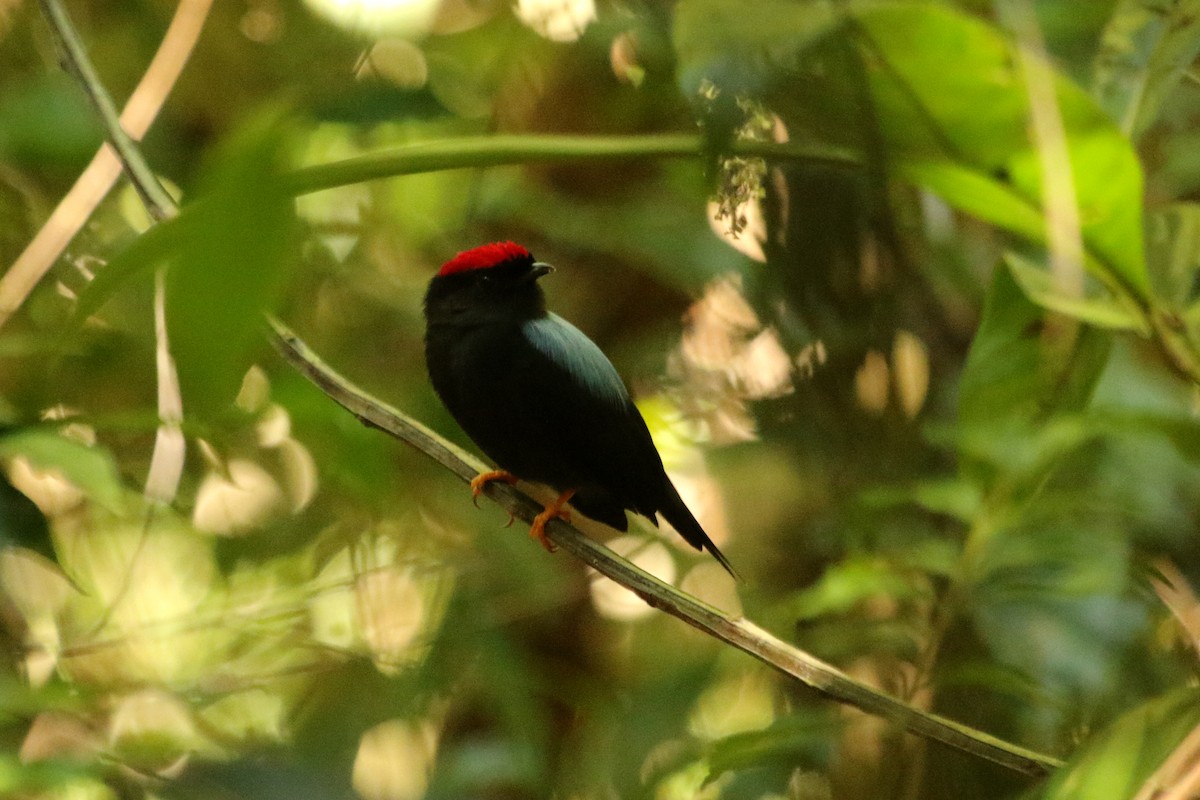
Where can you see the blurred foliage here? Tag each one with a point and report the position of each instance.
(949, 439)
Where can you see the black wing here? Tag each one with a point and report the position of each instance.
(581, 406)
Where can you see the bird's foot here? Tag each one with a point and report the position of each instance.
(484, 478)
(553, 510)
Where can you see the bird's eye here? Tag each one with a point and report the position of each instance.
(486, 279)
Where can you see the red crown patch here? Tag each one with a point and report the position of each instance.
(484, 256)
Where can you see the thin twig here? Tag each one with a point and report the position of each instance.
(98, 178)
(507, 149)
(75, 60)
(740, 633)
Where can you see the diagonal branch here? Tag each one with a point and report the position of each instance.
(740, 633)
(94, 183)
(75, 60)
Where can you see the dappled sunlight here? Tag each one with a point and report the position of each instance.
(408, 18)
(53, 493)
(392, 613)
(615, 602)
(336, 215)
(557, 20)
(38, 592)
(151, 611)
(255, 391)
(139, 590)
(394, 760)
(274, 427)
(59, 735)
(262, 22)
(709, 582)
(716, 323)
(374, 605)
(49, 487)
(702, 494)
(243, 494)
(397, 61)
(623, 57)
(741, 701)
(728, 358)
(193, 658)
(910, 363)
(300, 475)
(253, 716)
(872, 383)
(242, 499)
(752, 228)
(764, 369)
(903, 378)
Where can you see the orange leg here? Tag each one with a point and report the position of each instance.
(484, 478)
(552, 510)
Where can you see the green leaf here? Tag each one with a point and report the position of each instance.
(1146, 48)
(1049, 595)
(92, 469)
(977, 193)
(973, 119)
(1001, 374)
(1179, 431)
(1115, 763)
(799, 740)
(954, 497)
(467, 67)
(1101, 310)
(237, 242)
(151, 249)
(844, 585)
(61, 776)
(730, 42)
(975, 113)
(45, 122)
(1012, 376)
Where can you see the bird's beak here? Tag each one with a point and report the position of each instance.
(538, 270)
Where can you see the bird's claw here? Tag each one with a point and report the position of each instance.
(538, 529)
(484, 478)
(554, 510)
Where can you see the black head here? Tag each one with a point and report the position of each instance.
(491, 283)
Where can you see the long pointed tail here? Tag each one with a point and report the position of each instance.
(676, 512)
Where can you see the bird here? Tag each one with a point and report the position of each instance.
(541, 399)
